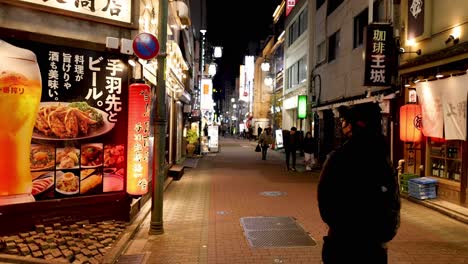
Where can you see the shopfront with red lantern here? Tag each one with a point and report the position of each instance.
(433, 128)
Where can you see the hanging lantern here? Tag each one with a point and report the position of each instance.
(138, 138)
(410, 123)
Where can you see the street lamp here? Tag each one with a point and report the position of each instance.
(265, 66)
(268, 81)
(212, 69)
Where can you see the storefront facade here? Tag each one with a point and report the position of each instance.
(435, 80)
(78, 149)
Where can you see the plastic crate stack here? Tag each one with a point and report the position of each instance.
(404, 178)
(422, 188)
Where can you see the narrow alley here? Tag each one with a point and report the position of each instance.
(202, 215)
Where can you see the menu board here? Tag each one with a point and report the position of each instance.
(79, 139)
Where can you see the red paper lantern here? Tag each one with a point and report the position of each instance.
(410, 123)
(138, 138)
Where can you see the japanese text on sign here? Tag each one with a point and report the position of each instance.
(117, 10)
(378, 60)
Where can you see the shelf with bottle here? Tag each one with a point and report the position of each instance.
(445, 159)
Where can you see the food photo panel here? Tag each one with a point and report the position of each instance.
(42, 157)
(113, 179)
(67, 157)
(67, 183)
(91, 155)
(91, 181)
(42, 187)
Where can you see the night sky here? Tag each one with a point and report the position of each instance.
(232, 25)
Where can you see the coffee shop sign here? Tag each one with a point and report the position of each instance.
(115, 10)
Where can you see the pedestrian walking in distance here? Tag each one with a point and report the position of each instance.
(309, 150)
(291, 144)
(358, 193)
(265, 140)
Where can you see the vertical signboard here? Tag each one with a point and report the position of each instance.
(243, 91)
(213, 138)
(79, 134)
(206, 94)
(249, 78)
(379, 55)
(416, 18)
(302, 106)
(289, 6)
(138, 138)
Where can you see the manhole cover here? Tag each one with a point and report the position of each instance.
(268, 223)
(266, 232)
(131, 259)
(273, 193)
(222, 212)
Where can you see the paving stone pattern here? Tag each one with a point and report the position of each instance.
(82, 242)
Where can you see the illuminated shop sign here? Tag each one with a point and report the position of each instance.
(138, 138)
(79, 126)
(379, 55)
(302, 106)
(289, 6)
(116, 10)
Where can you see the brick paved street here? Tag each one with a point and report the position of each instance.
(202, 215)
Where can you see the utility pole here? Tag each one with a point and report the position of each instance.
(159, 146)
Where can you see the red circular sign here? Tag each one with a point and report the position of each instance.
(145, 46)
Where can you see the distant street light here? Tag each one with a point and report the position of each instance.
(212, 69)
(265, 66)
(218, 52)
(268, 81)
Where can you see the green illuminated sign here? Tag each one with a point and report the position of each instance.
(302, 106)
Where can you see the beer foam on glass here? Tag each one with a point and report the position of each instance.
(20, 95)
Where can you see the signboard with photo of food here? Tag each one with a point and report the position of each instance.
(79, 130)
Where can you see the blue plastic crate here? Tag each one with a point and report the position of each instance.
(422, 188)
(423, 180)
(423, 196)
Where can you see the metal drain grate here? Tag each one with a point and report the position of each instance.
(268, 223)
(131, 259)
(266, 232)
(273, 193)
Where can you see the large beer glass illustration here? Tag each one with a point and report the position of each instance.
(20, 95)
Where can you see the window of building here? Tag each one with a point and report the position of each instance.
(321, 52)
(332, 5)
(302, 65)
(333, 46)
(360, 22)
(293, 32)
(297, 73)
(302, 22)
(297, 27)
(319, 3)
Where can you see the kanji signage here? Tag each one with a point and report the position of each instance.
(138, 138)
(379, 55)
(289, 6)
(113, 10)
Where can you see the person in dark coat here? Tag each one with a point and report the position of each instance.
(291, 145)
(348, 190)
